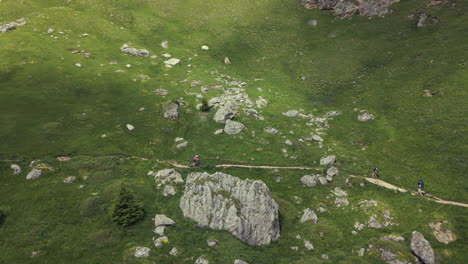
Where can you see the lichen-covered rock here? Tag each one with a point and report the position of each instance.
(12, 25)
(233, 127)
(201, 260)
(142, 252)
(134, 51)
(309, 180)
(422, 248)
(245, 208)
(441, 233)
(162, 220)
(225, 112)
(171, 111)
(33, 174)
(329, 160)
(168, 176)
(309, 215)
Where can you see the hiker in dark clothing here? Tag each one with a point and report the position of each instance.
(421, 187)
(375, 174)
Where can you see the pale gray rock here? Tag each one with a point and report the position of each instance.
(308, 245)
(69, 179)
(391, 257)
(130, 127)
(12, 25)
(218, 131)
(161, 91)
(271, 130)
(227, 61)
(332, 171)
(323, 180)
(165, 44)
(329, 160)
(233, 127)
(339, 202)
(159, 230)
(339, 192)
(309, 216)
(324, 256)
(174, 252)
(245, 208)
(171, 62)
(142, 252)
(182, 145)
(169, 190)
(360, 252)
(442, 233)
(33, 174)
(239, 261)
(317, 138)
(16, 169)
(158, 242)
(212, 243)
(309, 180)
(291, 113)
(202, 260)
(422, 20)
(312, 23)
(171, 111)
(394, 238)
(168, 176)
(225, 112)
(134, 51)
(346, 8)
(365, 116)
(162, 220)
(261, 102)
(422, 248)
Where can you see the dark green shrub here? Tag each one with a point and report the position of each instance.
(205, 107)
(124, 209)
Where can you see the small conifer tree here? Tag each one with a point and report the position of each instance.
(204, 107)
(125, 210)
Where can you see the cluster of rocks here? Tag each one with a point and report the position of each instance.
(171, 110)
(347, 8)
(365, 116)
(166, 179)
(313, 180)
(37, 169)
(245, 208)
(12, 25)
(160, 223)
(181, 142)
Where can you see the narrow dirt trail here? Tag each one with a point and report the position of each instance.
(399, 189)
(265, 167)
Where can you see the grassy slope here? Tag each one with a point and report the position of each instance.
(381, 65)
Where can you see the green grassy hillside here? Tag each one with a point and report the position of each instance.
(50, 107)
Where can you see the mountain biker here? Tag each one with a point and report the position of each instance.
(196, 161)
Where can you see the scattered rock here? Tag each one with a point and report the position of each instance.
(317, 138)
(171, 111)
(204, 47)
(223, 202)
(63, 158)
(312, 23)
(323, 180)
(174, 252)
(225, 112)
(218, 131)
(339, 192)
(332, 172)
(271, 130)
(212, 243)
(142, 252)
(162, 220)
(182, 145)
(233, 127)
(329, 160)
(296, 248)
(309, 180)
(69, 179)
(261, 102)
(309, 215)
(167, 55)
(159, 241)
(365, 116)
(33, 174)
(394, 238)
(130, 127)
(201, 260)
(441, 233)
(227, 61)
(291, 113)
(339, 202)
(308, 245)
(324, 256)
(165, 44)
(169, 190)
(161, 91)
(12, 25)
(167, 176)
(360, 252)
(422, 20)
(288, 142)
(171, 62)
(238, 261)
(159, 230)
(134, 52)
(16, 169)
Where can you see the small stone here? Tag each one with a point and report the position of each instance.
(218, 131)
(142, 252)
(174, 252)
(233, 127)
(365, 116)
(130, 127)
(171, 62)
(312, 23)
(204, 47)
(308, 245)
(239, 261)
(159, 230)
(33, 174)
(78, 65)
(177, 139)
(354, 232)
(324, 256)
(332, 171)
(201, 260)
(295, 248)
(169, 190)
(291, 113)
(211, 243)
(16, 169)
(329, 160)
(182, 145)
(69, 179)
(309, 215)
(162, 220)
(339, 202)
(227, 61)
(360, 252)
(339, 192)
(50, 31)
(159, 241)
(165, 44)
(167, 55)
(288, 142)
(103, 136)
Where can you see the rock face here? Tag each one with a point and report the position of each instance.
(12, 25)
(441, 233)
(233, 127)
(171, 111)
(422, 248)
(134, 51)
(245, 208)
(346, 8)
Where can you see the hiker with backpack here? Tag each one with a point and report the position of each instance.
(375, 174)
(421, 187)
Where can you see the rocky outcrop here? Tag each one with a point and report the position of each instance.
(441, 233)
(171, 111)
(245, 208)
(422, 248)
(225, 112)
(346, 8)
(12, 25)
(134, 51)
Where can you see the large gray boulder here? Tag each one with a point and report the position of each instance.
(225, 112)
(245, 208)
(422, 248)
(233, 127)
(171, 111)
(309, 180)
(134, 51)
